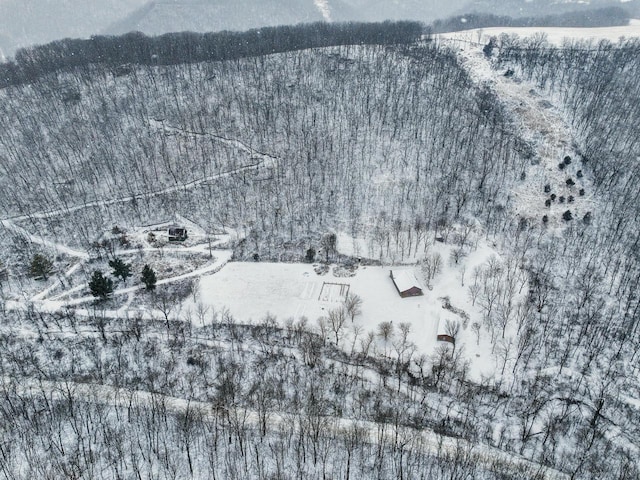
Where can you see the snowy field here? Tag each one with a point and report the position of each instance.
(555, 35)
(291, 291)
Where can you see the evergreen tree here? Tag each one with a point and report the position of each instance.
(100, 286)
(120, 269)
(310, 255)
(149, 277)
(41, 266)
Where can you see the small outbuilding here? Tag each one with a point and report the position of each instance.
(446, 338)
(406, 283)
(177, 234)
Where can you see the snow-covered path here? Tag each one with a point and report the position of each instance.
(227, 141)
(140, 196)
(58, 247)
(56, 304)
(426, 440)
(259, 161)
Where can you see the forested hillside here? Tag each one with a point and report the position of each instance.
(360, 137)
(403, 144)
(39, 21)
(96, 398)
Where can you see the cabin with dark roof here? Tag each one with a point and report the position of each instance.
(177, 234)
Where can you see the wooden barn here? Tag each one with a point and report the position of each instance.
(177, 234)
(406, 283)
(446, 338)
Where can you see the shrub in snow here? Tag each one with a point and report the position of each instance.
(488, 48)
(570, 182)
(567, 216)
(567, 160)
(581, 192)
(547, 188)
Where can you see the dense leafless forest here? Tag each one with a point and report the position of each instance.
(405, 122)
(396, 143)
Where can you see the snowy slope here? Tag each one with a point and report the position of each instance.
(554, 35)
(163, 16)
(537, 8)
(206, 16)
(543, 126)
(24, 23)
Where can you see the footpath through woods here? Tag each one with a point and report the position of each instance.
(427, 441)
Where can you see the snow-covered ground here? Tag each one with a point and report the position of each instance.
(252, 290)
(555, 35)
(429, 440)
(257, 162)
(323, 8)
(544, 127)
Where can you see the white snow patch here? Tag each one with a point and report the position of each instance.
(635, 402)
(323, 7)
(554, 35)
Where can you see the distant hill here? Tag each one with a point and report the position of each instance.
(164, 16)
(602, 17)
(24, 23)
(421, 10)
(539, 8)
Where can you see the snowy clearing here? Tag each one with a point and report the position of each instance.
(555, 35)
(250, 291)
